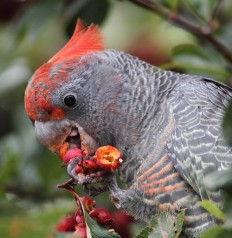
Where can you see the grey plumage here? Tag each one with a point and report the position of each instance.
(175, 119)
(165, 124)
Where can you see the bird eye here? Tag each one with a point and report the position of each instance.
(70, 100)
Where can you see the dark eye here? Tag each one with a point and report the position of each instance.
(70, 100)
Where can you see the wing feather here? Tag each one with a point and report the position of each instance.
(197, 146)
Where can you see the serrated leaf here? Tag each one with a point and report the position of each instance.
(96, 231)
(93, 229)
(179, 223)
(144, 232)
(211, 207)
(154, 220)
(166, 224)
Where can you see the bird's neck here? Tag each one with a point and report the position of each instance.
(144, 106)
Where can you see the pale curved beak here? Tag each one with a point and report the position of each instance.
(52, 134)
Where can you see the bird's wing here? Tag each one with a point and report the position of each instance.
(197, 146)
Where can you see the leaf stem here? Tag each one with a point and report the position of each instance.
(68, 185)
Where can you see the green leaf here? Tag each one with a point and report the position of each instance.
(198, 60)
(96, 231)
(219, 180)
(166, 224)
(179, 223)
(172, 4)
(202, 8)
(211, 207)
(227, 124)
(35, 17)
(190, 50)
(88, 10)
(144, 232)
(217, 232)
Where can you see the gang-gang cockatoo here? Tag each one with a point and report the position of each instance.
(165, 124)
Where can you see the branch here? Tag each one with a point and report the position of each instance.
(205, 32)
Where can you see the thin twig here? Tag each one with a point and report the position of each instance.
(205, 32)
(65, 184)
(68, 185)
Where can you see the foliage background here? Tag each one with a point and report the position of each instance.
(31, 31)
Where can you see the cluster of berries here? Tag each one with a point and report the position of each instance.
(106, 157)
(75, 222)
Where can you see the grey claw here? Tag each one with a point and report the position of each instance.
(72, 164)
(73, 175)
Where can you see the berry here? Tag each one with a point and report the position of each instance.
(78, 169)
(88, 203)
(80, 221)
(89, 166)
(66, 224)
(121, 223)
(108, 158)
(81, 232)
(86, 167)
(72, 153)
(100, 215)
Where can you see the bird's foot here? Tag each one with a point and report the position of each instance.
(78, 170)
(116, 194)
(92, 181)
(102, 179)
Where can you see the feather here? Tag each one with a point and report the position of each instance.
(83, 40)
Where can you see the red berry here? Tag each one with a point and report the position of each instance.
(100, 215)
(120, 218)
(80, 221)
(66, 224)
(121, 223)
(72, 153)
(81, 232)
(78, 169)
(89, 166)
(88, 203)
(108, 158)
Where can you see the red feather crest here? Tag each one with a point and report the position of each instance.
(83, 40)
(38, 92)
